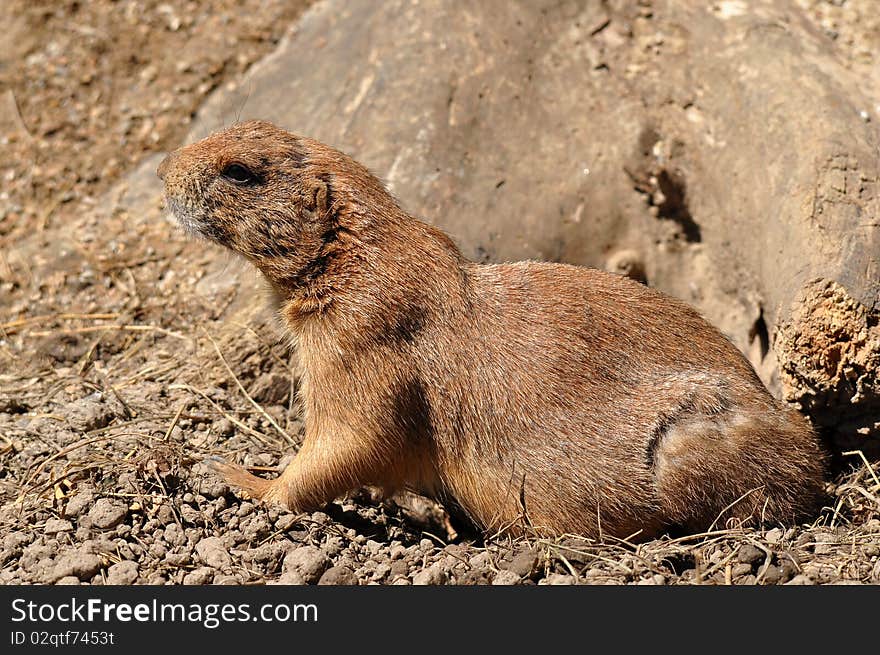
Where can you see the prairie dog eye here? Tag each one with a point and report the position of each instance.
(239, 174)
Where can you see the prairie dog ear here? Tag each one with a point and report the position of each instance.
(317, 196)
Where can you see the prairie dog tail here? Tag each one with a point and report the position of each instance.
(748, 463)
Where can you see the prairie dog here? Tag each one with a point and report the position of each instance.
(551, 397)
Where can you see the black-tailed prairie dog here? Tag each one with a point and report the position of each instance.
(531, 394)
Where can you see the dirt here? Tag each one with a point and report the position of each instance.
(830, 349)
(854, 25)
(117, 381)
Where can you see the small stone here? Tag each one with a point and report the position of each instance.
(773, 575)
(226, 580)
(15, 540)
(271, 389)
(122, 573)
(740, 569)
(824, 543)
(800, 579)
(556, 579)
(320, 517)
(213, 553)
(165, 514)
(773, 536)
(256, 527)
(523, 564)
(308, 561)
(87, 414)
(426, 545)
(174, 535)
(191, 515)
(202, 575)
(107, 513)
(224, 427)
(54, 526)
(628, 263)
(474, 577)
(749, 554)
(212, 486)
(381, 572)
(82, 565)
(480, 560)
(399, 568)
(338, 575)
(506, 577)
(68, 580)
(79, 503)
(819, 572)
(433, 575)
(285, 522)
(157, 550)
(333, 546)
(178, 559)
(291, 578)
(653, 580)
(597, 575)
(787, 567)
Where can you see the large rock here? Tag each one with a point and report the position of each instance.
(721, 147)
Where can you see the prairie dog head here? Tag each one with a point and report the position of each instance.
(269, 195)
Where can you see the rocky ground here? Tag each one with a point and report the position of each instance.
(117, 380)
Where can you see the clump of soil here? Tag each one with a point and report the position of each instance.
(830, 352)
(118, 381)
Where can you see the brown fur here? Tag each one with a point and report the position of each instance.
(572, 399)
